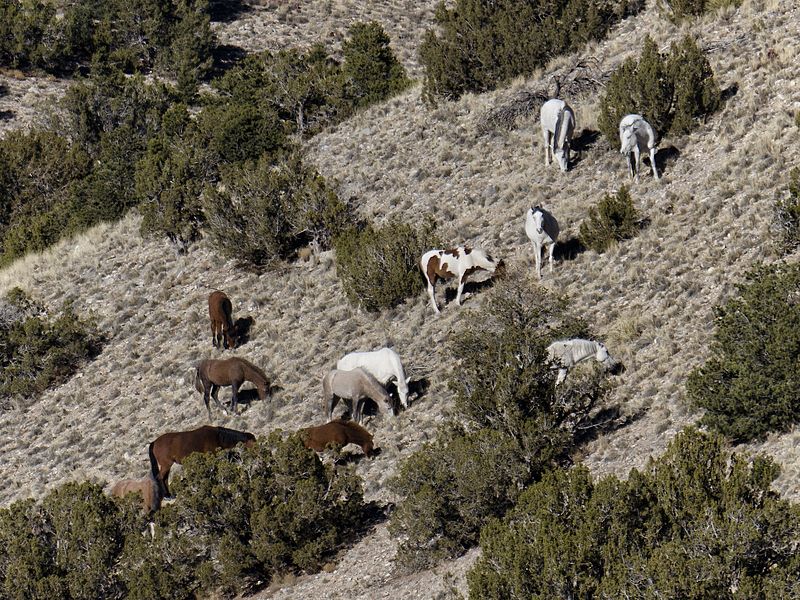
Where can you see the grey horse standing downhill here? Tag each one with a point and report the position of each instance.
(210, 374)
(565, 354)
(353, 386)
(557, 120)
(635, 135)
(542, 230)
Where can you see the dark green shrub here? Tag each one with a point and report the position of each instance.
(695, 520)
(513, 424)
(613, 219)
(749, 386)
(672, 92)
(379, 267)
(371, 69)
(37, 352)
(787, 215)
(293, 204)
(478, 45)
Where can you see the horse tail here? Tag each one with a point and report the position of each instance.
(153, 462)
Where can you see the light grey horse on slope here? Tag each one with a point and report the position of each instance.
(383, 364)
(558, 122)
(542, 230)
(565, 354)
(635, 135)
(353, 386)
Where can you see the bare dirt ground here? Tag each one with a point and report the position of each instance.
(650, 298)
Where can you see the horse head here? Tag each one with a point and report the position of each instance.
(538, 219)
(627, 138)
(562, 156)
(602, 356)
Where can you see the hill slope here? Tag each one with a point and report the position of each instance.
(649, 298)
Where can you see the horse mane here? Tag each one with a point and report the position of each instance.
(232, 436)
(361, 434)
(256, 369)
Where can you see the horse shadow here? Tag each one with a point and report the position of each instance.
(606, 421)
(585, 141)
(6, 115)
(470, 287)
(666, 157)
(241, 329)
(225, 11)
(729, 92)
(568, 249)
(224, 57)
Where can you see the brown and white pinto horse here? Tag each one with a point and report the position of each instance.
(220, 311)
(170, 448)
(457, 262)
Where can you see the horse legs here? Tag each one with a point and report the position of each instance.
(215, 394)
(163, 476)
(431, 293)
(562, 375)
(358, 406)
(330, 404)
(653, 162)
(638, 155)
(547, 157)
(234, 396)
(214, 341)
(461, 281)
(537, 254)
(552, 249)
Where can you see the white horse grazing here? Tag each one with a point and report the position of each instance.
(635, 135)
(558, 122)
(460, 262)
(353, 386)
(542, 229)
(384, 365)
(565, 354)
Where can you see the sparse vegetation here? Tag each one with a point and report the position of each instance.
(379, 266)
(614, 219)
(512, 423)
(694, 521)
(678, 10)
(242, 516)
(672, 92)
(37, 350)
(479, 45)
(749, 386)
(787, 215)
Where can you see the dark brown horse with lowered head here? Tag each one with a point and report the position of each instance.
(149, 488)
(173, 447)
(220, 311)
(340, 433)
(212, 373)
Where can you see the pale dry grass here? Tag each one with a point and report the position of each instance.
(650, 297)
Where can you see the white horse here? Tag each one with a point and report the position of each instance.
(558, 122)
(460, 262)
(353, 386)
(635, 135)
(384, 365)
(565, 354)
(542, 229)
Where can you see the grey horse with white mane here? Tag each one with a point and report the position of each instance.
(635, 135)
(557, 120)
(565, 354)
(542, 230)
(353, 386)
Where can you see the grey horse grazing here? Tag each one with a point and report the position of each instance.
(557, 120)
(542, 230)
(353, 386)
(565, 354)
(635, 135)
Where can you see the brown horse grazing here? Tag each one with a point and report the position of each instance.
(337, 432)
(212, 373)
(148, 487)
(220, 311)
(173, 447)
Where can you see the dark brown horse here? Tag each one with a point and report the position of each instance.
(220, 311)
(173, 447)
(212, 373)
(337, 432)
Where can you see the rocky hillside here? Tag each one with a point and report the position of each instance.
(650, 298)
